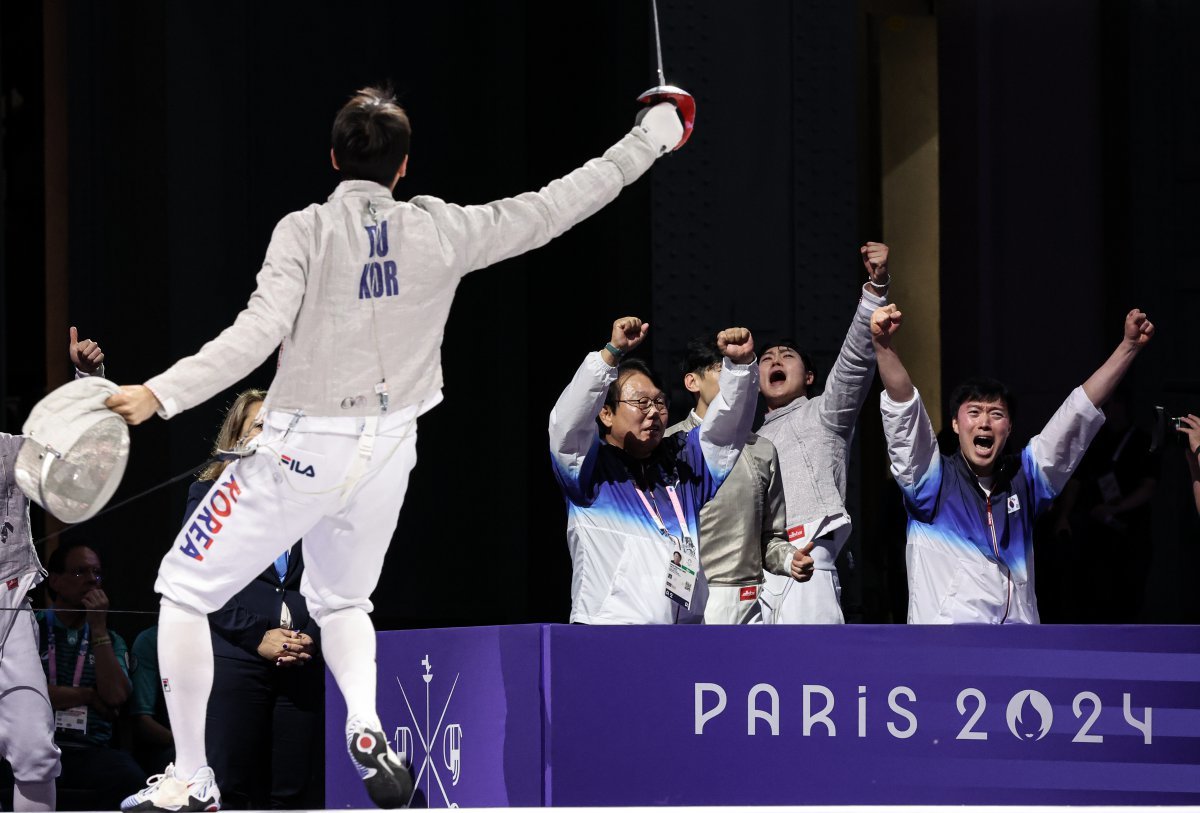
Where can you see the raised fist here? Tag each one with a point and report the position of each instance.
(875, 257)
(628, 332)
(1138, 328)
(885, 322)
(736, 344)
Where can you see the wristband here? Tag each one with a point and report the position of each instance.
(617, 354)
(101, 641)
(874, 284)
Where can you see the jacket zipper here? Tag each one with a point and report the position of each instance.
(996, 550)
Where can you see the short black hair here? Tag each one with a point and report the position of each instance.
(626, 368)
(371, 135)
(982, 388)
(701, 353)
(57, 561)
(805, 358)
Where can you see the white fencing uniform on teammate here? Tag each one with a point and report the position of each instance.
(26, 716)
(812, 437)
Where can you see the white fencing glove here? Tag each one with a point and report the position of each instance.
(661, 122)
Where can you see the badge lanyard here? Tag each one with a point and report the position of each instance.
(681, 576)
(53, 662)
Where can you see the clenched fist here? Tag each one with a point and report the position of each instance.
(1138, 328)
(885, 322)
(736, 344)
(628, 332)
(875, 257)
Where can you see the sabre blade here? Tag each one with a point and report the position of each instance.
(658, 43)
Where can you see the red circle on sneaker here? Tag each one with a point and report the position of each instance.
(366, 743)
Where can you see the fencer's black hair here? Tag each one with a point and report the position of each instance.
(371, 135)
(626, 368)
(805, 358)
(982, 388)
(701, 353)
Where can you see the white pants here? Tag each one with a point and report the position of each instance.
(733, 604)
(26, 717)
(817, 601)
(297, 485)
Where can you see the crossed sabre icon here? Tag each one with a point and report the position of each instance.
(455, 762)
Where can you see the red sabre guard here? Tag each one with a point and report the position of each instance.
(662, 92)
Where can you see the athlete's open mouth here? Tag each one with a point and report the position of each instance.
(984, 442)
(777, 376)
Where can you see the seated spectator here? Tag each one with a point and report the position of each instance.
(633, 496)
(743, 529)
(265, 723)
(154, 747)
(87, 667)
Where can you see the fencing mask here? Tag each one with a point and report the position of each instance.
(75, 450)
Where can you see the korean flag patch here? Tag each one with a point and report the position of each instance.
(1014, 504)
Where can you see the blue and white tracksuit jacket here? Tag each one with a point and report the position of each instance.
(970, 554)
(619, 557)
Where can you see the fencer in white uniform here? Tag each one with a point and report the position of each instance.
(812, 435)
(26, 716)
(358, 290)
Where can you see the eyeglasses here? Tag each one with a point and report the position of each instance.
(92, 573)
(644, 404)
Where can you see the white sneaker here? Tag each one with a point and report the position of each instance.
(166, 791)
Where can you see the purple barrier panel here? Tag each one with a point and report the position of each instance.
(464, 705)
(871, 715)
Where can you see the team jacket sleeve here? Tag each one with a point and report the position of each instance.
(482, 235)
(720, 438)
(913, 450)
(574, 441)
(850, 379)
(777, 551)
(256, 332)
(1055, 453)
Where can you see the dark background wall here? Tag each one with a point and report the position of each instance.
(1069, 174)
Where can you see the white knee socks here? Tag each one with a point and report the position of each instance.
(348, 644)
(185, 663)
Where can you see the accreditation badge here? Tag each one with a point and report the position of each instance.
(681, 571)
(72, 719)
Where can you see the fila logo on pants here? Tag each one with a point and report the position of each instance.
(207, 524)
(297, 466)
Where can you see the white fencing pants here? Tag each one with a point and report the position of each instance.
(296, 486)
(26, 717)
(733, 604)
(817, 601)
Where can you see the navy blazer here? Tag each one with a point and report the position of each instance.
(238, 627)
